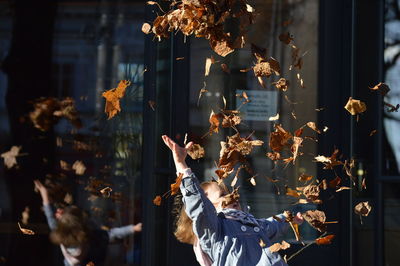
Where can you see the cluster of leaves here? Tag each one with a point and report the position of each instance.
(48, 111)
(205, 19)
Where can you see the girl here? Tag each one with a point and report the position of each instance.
(80, 241)
(227, 235)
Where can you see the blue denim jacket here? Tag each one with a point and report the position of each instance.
(226, 241)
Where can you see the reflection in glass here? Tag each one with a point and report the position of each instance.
(264, 199)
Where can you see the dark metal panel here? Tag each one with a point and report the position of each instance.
(335, 86)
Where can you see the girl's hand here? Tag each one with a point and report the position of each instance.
(43, 191)
(179, 153)
(137, 227)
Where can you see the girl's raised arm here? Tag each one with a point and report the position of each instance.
(197, 206)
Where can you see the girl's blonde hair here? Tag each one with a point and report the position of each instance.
(183, 224)
(72, 228)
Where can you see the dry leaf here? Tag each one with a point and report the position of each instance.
(253, 181)
(196, 151)
(335, 182)
(324, 240)
(79, 167)
(25, 215)
(292, 192)
(10, 156)
(152, 105)
(279, 246)
(175, 186)
(261, 243)
(342, 188)
(373, 132)
(392, 108)
(157, 200)
(382, 88)
(316, 219)
(106, 192)
(286, 38)
(355, 106)
(64, 165)
(274, 118)
(304, 178)
(313, 127)
(279, 138)
(209, 62)
(363, 208)
(68, 198)
(25, 231)
(282, 84)
(113, 96)
(146, 28)
(231, 198)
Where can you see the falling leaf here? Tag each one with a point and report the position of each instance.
(79, 167)
(209, 62)
(90, 263)
(279, 246)
(363, 208)
(253, 181)
(10, 156)
(324, 184)
(146, 28)
(175, 186)
(274, 156)
(324, 240)
(373, 132)
(231, 198)
(25, 215)
(274, 118)
(297, 141)
(225, 68)
(286, 38)
(363, 184)
(313, 127)
(282, 84)
(279, 138)
(214, 122)
(152, 105)
(64, 165)
(316, 219)
(392, 108)
(382, 88)
(304, 178)
(292, 192)
(106, 192)
(196, 151)
(355, 106)
(48, 111)
(179, 58)
(329, 162)
(342, 188)
(311, 192)
(202, 91)
(261, 243)
(335, 182)
(112, 106)
(25, 231)
(68, 198)
(59, 142)
(325, 129)
(249, 8)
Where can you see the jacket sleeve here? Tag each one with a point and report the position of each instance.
(275, 228)
(49, 212)
(120, 232)
(206, 224)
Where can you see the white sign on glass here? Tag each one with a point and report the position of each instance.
(262, 105)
